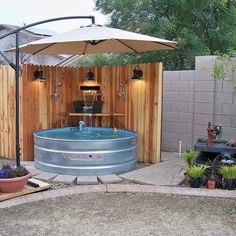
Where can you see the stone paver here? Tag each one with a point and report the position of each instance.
(45, 176)
(65, 179)
(82, 180)
(110, 179)
(169, 172)
(33, 170)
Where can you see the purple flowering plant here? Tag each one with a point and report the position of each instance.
(9, 171)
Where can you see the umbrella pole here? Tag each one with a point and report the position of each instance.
(17, 77)
(16, 67)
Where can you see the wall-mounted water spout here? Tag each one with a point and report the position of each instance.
(121, 90)
(81, 125)
(57, 91)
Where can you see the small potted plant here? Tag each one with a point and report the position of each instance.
(13, 179)
(196, 174)
(189, 156)
(228, 176)
(211, 183)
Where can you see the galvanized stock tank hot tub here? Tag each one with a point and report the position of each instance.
(91, 151)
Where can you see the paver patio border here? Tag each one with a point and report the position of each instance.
(118, 188)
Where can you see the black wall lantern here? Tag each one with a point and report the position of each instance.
(38, 75)
(137, 73)
(90, 75)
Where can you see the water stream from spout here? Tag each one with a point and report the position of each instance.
(89, 98)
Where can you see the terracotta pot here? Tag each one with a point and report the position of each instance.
(186, 178)
(12, 185)
(211, 184)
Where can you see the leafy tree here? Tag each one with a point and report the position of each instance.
(200, 27)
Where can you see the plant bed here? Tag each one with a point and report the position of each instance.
(13, 179)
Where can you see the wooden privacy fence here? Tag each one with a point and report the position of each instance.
(141, 104)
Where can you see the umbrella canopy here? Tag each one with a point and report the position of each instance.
(96, 39)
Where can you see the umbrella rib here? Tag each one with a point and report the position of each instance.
(126, 45)
(85, 48)
(44, 48)
(167, 45)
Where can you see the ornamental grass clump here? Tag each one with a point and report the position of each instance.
(196, 174)
(189, 156)
(228, 172)
(228, 176)
(8, 171)
(196, 171)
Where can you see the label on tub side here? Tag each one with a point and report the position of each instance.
(78, 156)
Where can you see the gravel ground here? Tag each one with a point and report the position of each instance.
(121, 214)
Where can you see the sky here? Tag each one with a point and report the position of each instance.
(19, 12)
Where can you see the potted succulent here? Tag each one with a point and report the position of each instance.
(189, 156)
(228, 176)
(13, 179)
(196, 174)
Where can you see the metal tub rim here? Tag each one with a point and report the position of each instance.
(35, 134)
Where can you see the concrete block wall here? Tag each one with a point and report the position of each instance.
(193, 98)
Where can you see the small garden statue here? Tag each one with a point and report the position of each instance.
(210, 135)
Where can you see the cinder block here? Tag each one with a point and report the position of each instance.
(205, 62)
(170, 96)
(221, 98)
(207, 97)
(180, 86)
(206, 74)
(186, 117)
(179, 107)
(218, 85)
(170, 137)
(218, 108)
(186, 138)
(170, 75)
(166, 126)
(178, 127)
(228, 87)
(203, 119)
(228, 133)
(223, 120)
(165, 146)
(234, 121)
(229, 109)
(174, 147)
(166, 106)
(187, 75)
(189, 128)
(200, 131)
(186, 97)
(204, 86)
(170, 116)
(190, 107)
(191, 86)
(204, 108)
(167, 85)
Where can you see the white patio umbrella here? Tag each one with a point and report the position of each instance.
(96, 39)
